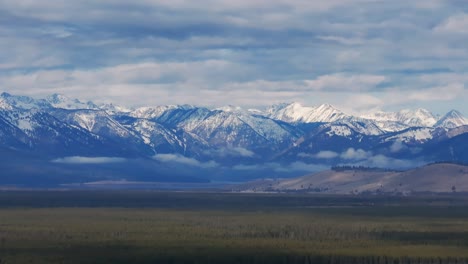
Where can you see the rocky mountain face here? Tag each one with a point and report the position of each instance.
(282, 138)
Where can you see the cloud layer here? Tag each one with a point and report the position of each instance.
(88, 160)
(356, 54)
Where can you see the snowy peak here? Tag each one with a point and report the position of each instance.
(295, 112)
(113, 109)
(420, 117)
(154, 112)
(64, 102)
(8, 101)
(397, 121)
(230, 108)
(326, 113)
(4, 105)
(151, 112)
(452, 119)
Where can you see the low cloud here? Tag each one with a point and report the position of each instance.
(397, 146)
(232, 152)
(286, 168)
(88, 160)
(326, 154)
(185, 161)
(355, 154)
(382, 161)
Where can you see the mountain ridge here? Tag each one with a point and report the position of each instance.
(233, 140)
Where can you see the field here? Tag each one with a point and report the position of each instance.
(180, 227)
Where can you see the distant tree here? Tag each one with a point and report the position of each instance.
(454, 189)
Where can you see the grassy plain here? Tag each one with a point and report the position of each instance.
(172, 227)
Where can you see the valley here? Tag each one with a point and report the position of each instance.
(211, 227)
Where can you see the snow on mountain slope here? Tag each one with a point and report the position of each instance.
(396, 121)
(61, 101)
(340, 130)
(414, 135)
(295, 113)
(41, 132)
(9, 101)
(95, 121)
(185, 117)
(4, 105)
(452, 119)
(155, 112)
(113, 109)
(237, 129)
(362, 126)
(10, 135)
(162, 140)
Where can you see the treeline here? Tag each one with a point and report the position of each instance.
(361, 168)
(461, 163)
(294, 259)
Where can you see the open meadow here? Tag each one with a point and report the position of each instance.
(181, 227)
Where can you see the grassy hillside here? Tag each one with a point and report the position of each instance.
(441, 177)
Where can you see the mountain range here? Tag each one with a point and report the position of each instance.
(57, 135)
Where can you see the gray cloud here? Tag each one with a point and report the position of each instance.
(238, 52)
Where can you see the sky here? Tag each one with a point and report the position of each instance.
(358, 55)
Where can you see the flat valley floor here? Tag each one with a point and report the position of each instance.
(196, 227)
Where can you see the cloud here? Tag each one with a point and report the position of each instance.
(382, 161)
(326, 154)
(397, 146)
(176, 158)
(344, 82)
(454, 24)
(343, 40)
(236, 52)
(298, 166)
(355, 154)
(232, 151)
(442, 93)
(88, 160)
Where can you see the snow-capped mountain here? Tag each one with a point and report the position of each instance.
(452, 119)
(58, 126)
(8, 101)
(64, 102)
(296, 113)
(397, 121)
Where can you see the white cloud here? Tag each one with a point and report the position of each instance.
(355, 154)
(233, 151)
(382, 161)
(454, 24)
(345, 82)
(343, 40)
(326, 154)
(441, 93)
(185, 160)
(397, 146)
(242, 52)
(88, 160)
(290, 167)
